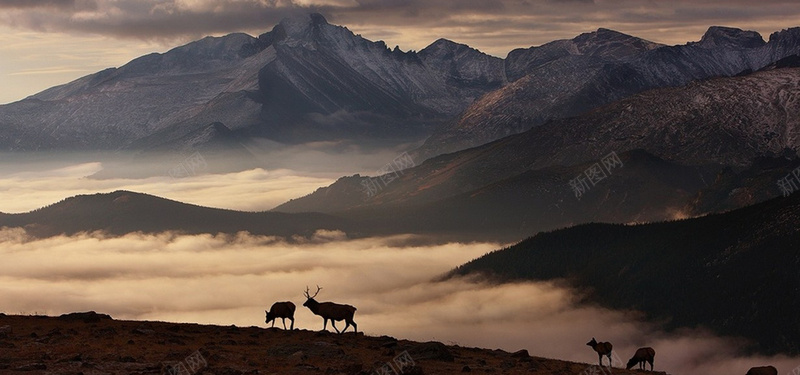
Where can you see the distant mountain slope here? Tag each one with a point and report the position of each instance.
(723, 121)
(112, 108)
(305, 80)
(124, 212)
(735, 273)
(569, 77)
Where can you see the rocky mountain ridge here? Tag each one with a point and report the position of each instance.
(561, 79)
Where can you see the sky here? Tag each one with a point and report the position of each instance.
(44, 43)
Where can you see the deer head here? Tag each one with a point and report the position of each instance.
(309, 298)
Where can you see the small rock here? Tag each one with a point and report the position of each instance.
(466, 369)
(86, 317)
(520, 354)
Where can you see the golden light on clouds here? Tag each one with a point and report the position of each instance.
(232, 279)
(250, 190)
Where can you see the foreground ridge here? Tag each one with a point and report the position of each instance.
(89, 343)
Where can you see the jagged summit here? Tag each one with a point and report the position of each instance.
(298, 28)
(605, 44)
(443, 43)
(610, 43)
(720, 36)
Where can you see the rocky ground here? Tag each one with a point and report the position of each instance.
(95, 344)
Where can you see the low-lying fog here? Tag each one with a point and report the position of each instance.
(232, 279)
(272, 176)
(227, 280)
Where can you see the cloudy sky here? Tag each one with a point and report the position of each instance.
(48, 42)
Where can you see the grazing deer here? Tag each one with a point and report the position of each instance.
(641, 356)
(602, 349)
(329, 310)
(281, 310)
(763, 370)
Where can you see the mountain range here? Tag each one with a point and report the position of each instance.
(708, 146)
(307, 80)
(568, 77)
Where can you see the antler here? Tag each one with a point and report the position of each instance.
(310, 296)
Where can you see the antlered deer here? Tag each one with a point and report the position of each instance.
(281, 310)
(329, 310)
(602, 349)
(763, 370)
(641, 356)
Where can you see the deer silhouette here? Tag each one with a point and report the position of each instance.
(329, 310)
(602, 349)
(281, 310)
(641, 356)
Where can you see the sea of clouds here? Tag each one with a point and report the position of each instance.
(232, 279)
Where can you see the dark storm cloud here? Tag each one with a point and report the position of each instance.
(492, 25)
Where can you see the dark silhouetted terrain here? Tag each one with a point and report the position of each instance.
(90, 343)
(735, 273)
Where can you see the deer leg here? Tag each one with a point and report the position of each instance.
(609, 360)
(273, 323)
(284, 323)
(325, 324)
(355, 326)
(600, 359)
(292, 319)
(333, 323)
